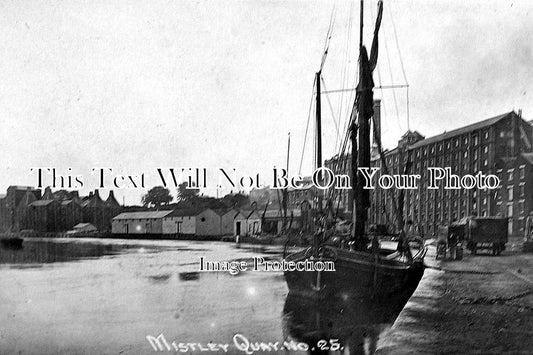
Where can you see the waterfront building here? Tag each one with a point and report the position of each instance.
(70, 214)
(43, 216)
(500, 145)
(10, 216)
(247, 223)
(146, 222)
(198, 222)
(226, 220)
(25, 208)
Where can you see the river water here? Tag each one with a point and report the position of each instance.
(94, 296)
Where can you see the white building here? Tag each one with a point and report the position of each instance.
(247, 223)
(201, 222)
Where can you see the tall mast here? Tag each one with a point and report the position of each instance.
(361, 25)
(318, 123)
(318, 133)
(364, 109)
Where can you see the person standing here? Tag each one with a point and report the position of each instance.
(452, 244)
(528, 231)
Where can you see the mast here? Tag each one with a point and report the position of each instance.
(361, 25)
(285, 193)
(364, 110)
(318, 134)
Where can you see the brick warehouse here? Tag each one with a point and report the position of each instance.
(501, 145)
(25, 208)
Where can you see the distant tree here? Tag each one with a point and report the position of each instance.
(186, 194)
(156, 197)
(237, 200)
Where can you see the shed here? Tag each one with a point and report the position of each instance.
(226, 223)
(247, 223)
(146, 222)
(180, 221)
(201, 222)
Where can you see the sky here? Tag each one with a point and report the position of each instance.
(139, 85)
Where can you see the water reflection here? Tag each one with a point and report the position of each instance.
(341, 327)
(189, 276)
(52, 251)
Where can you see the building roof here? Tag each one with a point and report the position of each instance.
(410, 133)
(528, 157)
(28, 198)
(247, 213)
(459, 131)
(185, 212)
(143, 215)
(42, 202)
(83, 225)
(94, 200)
(48, 195)
(68, 202)
(111, 200)
(20, 187)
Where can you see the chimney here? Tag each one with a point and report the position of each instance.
(520, 112)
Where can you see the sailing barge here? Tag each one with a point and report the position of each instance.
(363, 269)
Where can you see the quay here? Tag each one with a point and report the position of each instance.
(482, 304)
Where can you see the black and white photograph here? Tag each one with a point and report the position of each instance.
(266, 177)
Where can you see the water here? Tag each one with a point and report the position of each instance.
(96, 296)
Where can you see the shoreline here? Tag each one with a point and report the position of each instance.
(480, 305)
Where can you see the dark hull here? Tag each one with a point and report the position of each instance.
(357, 275)
(14, 242)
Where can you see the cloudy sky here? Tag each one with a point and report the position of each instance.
(135, 85)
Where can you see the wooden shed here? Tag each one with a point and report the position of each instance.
(146, 222)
